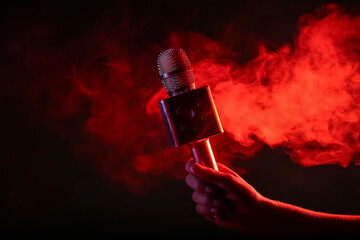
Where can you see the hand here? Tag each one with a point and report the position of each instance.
(225, 198)
(228, 200)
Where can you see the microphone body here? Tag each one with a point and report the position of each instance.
(189, 114)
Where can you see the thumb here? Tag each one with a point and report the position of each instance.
(226, 181)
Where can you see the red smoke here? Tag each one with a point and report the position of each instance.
(303, 97)
(101, 92)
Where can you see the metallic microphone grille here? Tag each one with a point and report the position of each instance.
(171, 60)
(175, 69)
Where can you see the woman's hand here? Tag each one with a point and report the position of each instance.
(228, 200)
(224, 197)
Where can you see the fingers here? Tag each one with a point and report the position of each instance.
(205, 207)
(221, 167)
(195, 183)
(205, 174)
(207, 199)
(205, 210)
(210, 175)
(225, 169)
(189, 164)
(221, 196)
(214, 210)
(226, 181)
(202, 198)
(201, 186)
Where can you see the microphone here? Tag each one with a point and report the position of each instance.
(189, 114)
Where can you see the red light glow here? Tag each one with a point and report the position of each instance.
(101, 91)
(303, 97)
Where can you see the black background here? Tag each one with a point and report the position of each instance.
(46, 190)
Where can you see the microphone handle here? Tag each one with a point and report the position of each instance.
(202, 153)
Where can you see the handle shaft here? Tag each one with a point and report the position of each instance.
(202, 153)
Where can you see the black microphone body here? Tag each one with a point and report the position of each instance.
(189, 114)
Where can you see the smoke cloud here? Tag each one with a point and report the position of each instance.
(100, 92)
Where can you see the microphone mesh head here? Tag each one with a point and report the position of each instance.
(175, 70)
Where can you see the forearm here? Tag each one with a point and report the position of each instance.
(246, 210)
(290, 219)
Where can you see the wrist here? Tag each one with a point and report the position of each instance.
(285, 219)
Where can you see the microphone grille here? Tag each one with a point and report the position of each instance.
(175, 69)
(171, 60)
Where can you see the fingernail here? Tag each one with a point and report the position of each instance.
(214, 210)
(191, 169)
(208, 189)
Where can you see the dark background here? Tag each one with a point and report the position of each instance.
(46, 190)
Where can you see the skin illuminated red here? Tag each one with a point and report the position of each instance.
(226, 199)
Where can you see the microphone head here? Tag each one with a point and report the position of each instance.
(175, 71)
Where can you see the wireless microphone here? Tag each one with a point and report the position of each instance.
(189, 113)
